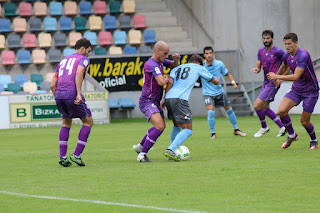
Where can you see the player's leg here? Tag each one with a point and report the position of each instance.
(138, 147)
(176, 128)
(258, 106)
(63, 142)
(185, 133)
(209, 101)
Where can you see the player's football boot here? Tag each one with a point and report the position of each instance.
(282, 132)
(137, 148)
(78, 161)
(261, 132)
(65, 162)
(313, 144)
(170, 154)
(144, 158)
(289, 141)
(213, 136)
(239, 132)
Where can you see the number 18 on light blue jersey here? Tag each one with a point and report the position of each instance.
(184, 77)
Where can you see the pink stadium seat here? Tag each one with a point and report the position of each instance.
(25, 9)
(8, 57)
(70, 8)
(40, 8)
(49, 76)
(29, 40)
(139, 21)
(73, 38)
(105, 38)
(39, 56)
(100, 7)
(20, 25)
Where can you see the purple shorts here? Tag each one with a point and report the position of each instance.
(68, 109)
(149, 108)
(309, 100)
(268, 93)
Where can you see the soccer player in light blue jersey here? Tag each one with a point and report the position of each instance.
(179, 86)
(66, 87)
(305, 88)
(269, 57)
(214, 95)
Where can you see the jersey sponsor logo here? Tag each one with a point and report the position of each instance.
(154, 106)
(85, 62)
(157, 70)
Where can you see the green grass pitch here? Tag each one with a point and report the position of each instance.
(228, 174)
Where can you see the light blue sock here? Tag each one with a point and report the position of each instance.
(180, 138)
(232, 118)
(174, 132)
(211, 121)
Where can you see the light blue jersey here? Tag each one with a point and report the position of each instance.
(184, 77)
(216, 69)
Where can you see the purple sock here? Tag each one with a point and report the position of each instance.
(286, 120)
(311, 132)
(144, 138)
(82, 140)
(151, 139)
(273, 117)
(63, 141)
(262, 117)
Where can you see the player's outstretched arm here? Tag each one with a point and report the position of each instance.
(294, 77)
(215, 81)
(257, 69)
(231, 79)
(79, 79)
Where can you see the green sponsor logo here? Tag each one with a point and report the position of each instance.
(45, 112)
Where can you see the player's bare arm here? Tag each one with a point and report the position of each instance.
(215, 81)
(231, 79)
(161, 80)
(168, 87)
(79, 79)
(175, 62)
(294, 77)
(257, 69)
(53, 86)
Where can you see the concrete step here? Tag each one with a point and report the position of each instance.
(171, 35)
(147, 14)
(161, 21)
(177, 28)
(150, 6)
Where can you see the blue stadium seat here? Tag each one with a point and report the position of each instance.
(54, 55)
(149, 36)
(120, 37)
(1, 88)
(113, 103)
(124, 22)
(50, 24)
(20, 79)
(110, 22)
(45, 86)
(130, 50)
(85, 8)
(24, 57)
(40, 92)
(68, 51)
(13, 41)
(5, 80)
(60, 39)
(65, 23)
(35, 24)
(126, 102)
(91, 36)
(55, 8)
(5, 25)
(100, 51)
(145, 49)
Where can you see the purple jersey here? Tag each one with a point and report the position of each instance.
(308, 82)
(66, 74)
(271, 61)
(151, 90)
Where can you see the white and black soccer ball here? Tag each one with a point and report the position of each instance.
(182, 152)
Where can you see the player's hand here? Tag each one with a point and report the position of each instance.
(176, 56)
(277, 82)
(78, 100)
(255, 70)
(271, 76)
(163, 106)
(235, 86)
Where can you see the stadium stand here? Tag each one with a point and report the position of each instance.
(24, 57)
(70, 8)
(124, 21)
(2, 42)
(120, 37)
(91, 36)
(110, 22)
(113, 104)
(60, 39)
(13, 87)
(115, 50)
(135, 37)
(8, 57)
(45, 86)
(35, 24)
(37, 78)
(5, 25)
(49, 76)
(85, 8)
(1, 88)
(95, 22)
(39, 56)
(5, 80)
(44, 40)
(29, 40)
(25, 9)
(128, 6)
(54, 55)
(68, 51)
(40, 8)
(50, 24)
(19, 25)
(114, 7)
(105, 38)
(80, 23)
(65, 23)
(145, 49)
(100, 51)
(99, 7)
(149, 36)
(55, 8)
(30, 87)
(13, 41)
(73, 38)
(10, 9)
(20, 79)
(139, 22)
(130, 50)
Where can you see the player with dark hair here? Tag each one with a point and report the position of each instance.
(269, 57)
(152, 91)
(214, 95)
(66, 87)
(304, 89)
(180, 83)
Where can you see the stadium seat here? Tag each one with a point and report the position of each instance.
(39, 56)
(25, 9)
(149, 36)
(130, 50)
(126, 103)
(129, 6)
(105, 38)
(6, 93)
(145, 49)
(35, 24)
(65, 23)
(91, 36)
(124, 22)
(60, 39)
(2, 42)
(23, 93)
(5, 25)
(1, 10)
(40, 92)
(70, 8)
(13, 41)
(85, 8)
(10, 9)
(135, 37)
(139, 21)
(29, 40)
(30, 87)
(37, 78)
(113, 104)
(55, 8)
(50, 24)
(120, 37)
(1, 88)
(110, 22)
(5, 80)
(68, 51)
(49, 76)
(20, 25)
(54, 55)
(45, 86)
(100, 51)
(73, 38)
(115, 50)
(24, 57)
(13, 87)
(80, 23)
(8, 57)
(95, 23)
(114, 7)
(44, 40)
(99, 7)
(40, 8)
(20, 79)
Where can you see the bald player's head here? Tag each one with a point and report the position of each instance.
(160, 51)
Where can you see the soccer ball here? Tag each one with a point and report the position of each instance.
(182, 152)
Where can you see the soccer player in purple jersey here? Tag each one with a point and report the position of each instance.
(152, 91)
(66, 87)
(269, 57)
(305, 88)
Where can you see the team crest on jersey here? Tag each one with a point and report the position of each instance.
(157, 70)
(154, 106)
(85, 62)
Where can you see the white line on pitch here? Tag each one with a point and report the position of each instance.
(100, 202)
